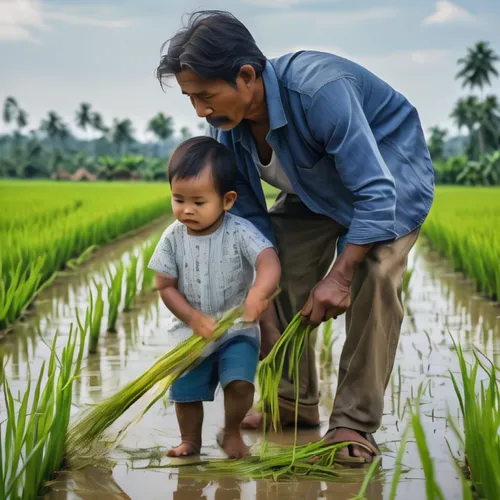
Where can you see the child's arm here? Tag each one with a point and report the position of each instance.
(268, 274)
(200, 323)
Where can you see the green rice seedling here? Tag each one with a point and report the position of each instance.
(131, 284)
(328, 341)
(148, 275)
(433, 491)
(481, 423)
(32, 437)
(83, 446)
(368, 477)
(398, 465)
(63, 222)
(406, 281)
(96, 312)
(114, 283)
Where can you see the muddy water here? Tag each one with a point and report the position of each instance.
(438, 302)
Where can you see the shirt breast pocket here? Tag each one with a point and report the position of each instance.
(320, 177)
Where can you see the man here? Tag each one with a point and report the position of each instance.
(348, 153)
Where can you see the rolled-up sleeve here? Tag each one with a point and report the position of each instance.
(337, 120)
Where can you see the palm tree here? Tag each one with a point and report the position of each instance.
(22, 119)
(98, 123)
(161, 126)
(490, 121)
(122, 134)
(436, 143)
(478, 66)
(10, 108)
(467, 113)
(83, 120)
(55, 128)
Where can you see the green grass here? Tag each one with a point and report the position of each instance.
(45, 226)
(33, 436)
(463, 226)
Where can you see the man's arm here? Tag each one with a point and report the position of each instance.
(337, 121)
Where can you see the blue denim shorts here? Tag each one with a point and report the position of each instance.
(235, 360)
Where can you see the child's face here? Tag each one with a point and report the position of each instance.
(197, 204)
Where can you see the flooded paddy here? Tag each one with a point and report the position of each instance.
(438, 302)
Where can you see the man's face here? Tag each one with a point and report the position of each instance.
(221, 104)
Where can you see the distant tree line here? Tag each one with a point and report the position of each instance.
(479, 116)
(110, 151)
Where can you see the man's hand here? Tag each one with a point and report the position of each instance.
(202, 325)
(255, 305)
(328, 299)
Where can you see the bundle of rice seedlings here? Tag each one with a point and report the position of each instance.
(290, 347)
(278, 463)
(33, 435)
(83, 446)
(114, 283)
(131, 284)
(96, 311)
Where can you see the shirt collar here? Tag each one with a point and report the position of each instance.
(277, 117)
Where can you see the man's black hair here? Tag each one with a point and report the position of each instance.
(214, 44)
(193, 155)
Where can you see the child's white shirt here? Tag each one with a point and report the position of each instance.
(214, 272)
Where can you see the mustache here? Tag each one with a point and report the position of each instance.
(215, 121)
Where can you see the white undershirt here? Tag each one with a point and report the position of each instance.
(274, 174)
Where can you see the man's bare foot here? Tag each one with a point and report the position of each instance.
(233, 445)
(360, 449)
(185, 449)
(252, 421)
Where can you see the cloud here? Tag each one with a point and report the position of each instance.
(447, 12)
(88, 21)
(15, 33)
(20, 20)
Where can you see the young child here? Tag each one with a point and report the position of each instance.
(207, 262)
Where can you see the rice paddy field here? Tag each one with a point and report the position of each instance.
(98, 325)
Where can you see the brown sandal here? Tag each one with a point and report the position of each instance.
(366, 441)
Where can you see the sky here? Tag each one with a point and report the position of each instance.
(55, 54)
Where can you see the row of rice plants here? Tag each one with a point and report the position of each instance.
(123, 285)
(33, 427)
(46, 226)
(463, 226)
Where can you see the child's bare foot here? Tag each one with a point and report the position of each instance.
(233, 445)
(185, 449)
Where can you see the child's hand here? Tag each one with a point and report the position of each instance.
(255, 305)
(202, 325)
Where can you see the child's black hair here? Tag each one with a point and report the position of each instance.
(193, 155)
